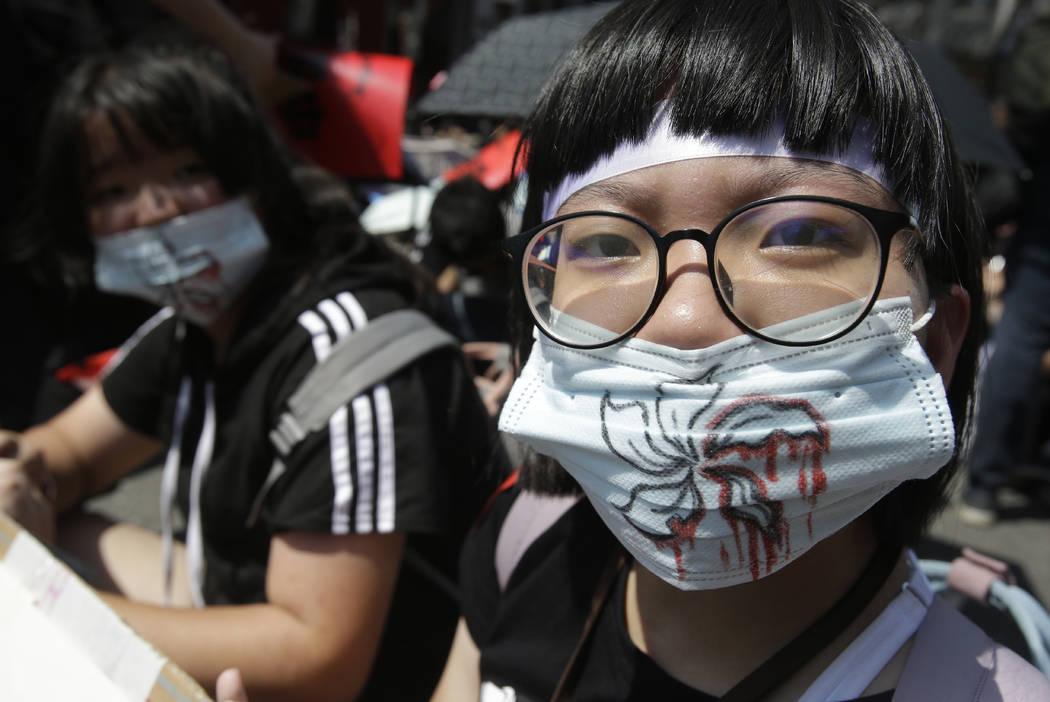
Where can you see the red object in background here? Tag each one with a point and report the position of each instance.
(83, 373)
(352, 121)
(492, 165)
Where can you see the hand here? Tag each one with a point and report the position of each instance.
(27, 490)
(230, 687)
(494, 384)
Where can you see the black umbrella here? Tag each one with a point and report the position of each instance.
(976, 136)
(501, 76)
(503, 73)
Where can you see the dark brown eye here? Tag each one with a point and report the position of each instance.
(103, 194)
(804, 232)
(601, 246)
(196, 170)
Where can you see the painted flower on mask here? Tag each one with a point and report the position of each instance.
(735, 454)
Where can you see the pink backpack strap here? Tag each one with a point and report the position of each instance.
(952, 659)
(529, 516)
(973, 574)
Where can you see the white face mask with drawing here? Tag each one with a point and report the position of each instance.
(722, 465)
(198, 263)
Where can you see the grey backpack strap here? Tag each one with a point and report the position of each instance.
(354, 364)
(529, 516)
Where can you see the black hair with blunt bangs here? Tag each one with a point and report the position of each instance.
(737, 67)
(175, 90)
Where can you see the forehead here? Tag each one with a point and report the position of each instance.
(114, 141)
(720, 182)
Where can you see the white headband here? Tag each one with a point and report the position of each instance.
(662, 146)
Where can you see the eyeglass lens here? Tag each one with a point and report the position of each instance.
(591, 279)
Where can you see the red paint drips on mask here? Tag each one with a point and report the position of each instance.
(683, 532)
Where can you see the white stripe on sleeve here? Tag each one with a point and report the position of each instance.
(372, 422)
(363, 517)
(353, 308)
(342, 483)
(337, 317)
(385, 489)
(312, 322)
(339, 422)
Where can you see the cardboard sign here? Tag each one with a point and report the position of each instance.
(60, 641)
(492, 165)
(353, 119)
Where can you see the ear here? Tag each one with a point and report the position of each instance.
(947, 330)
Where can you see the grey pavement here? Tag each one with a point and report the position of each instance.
(1023, 541)
(135, 499)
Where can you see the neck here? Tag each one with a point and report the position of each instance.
(222, 327)
(711, 639)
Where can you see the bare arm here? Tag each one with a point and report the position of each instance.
(214, 20)
(87, 448)
(316, 637)
(461, 679)
(253, 52)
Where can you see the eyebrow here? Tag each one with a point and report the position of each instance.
(102, 166)
(804, 171)
(606, 190)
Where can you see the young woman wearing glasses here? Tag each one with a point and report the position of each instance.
(752, 266)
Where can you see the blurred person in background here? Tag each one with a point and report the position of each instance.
(467, 227)
(751, 310)
(1006, 436)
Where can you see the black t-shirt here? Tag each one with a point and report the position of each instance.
(527, 632)
(404, 456)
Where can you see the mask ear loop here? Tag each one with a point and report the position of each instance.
(925, 318)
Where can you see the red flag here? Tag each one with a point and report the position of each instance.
(492, 165)
(352, 121)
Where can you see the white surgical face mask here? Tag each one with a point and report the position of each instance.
(198, 263)
(722, 465)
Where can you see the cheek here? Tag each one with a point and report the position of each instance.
(109, 218)
(120, 215)
(201, 195)
(901, 281)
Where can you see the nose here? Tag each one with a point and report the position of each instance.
(154, 203)
(688, 316)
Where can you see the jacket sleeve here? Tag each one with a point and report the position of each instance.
(390, 459)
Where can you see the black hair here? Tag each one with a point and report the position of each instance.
(466, 221)
(737, 67)
(175, 90)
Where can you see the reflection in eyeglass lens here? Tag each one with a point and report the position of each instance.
(792, 258)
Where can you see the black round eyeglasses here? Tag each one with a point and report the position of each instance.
(796, 270)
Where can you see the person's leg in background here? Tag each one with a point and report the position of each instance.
(1010, 387)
